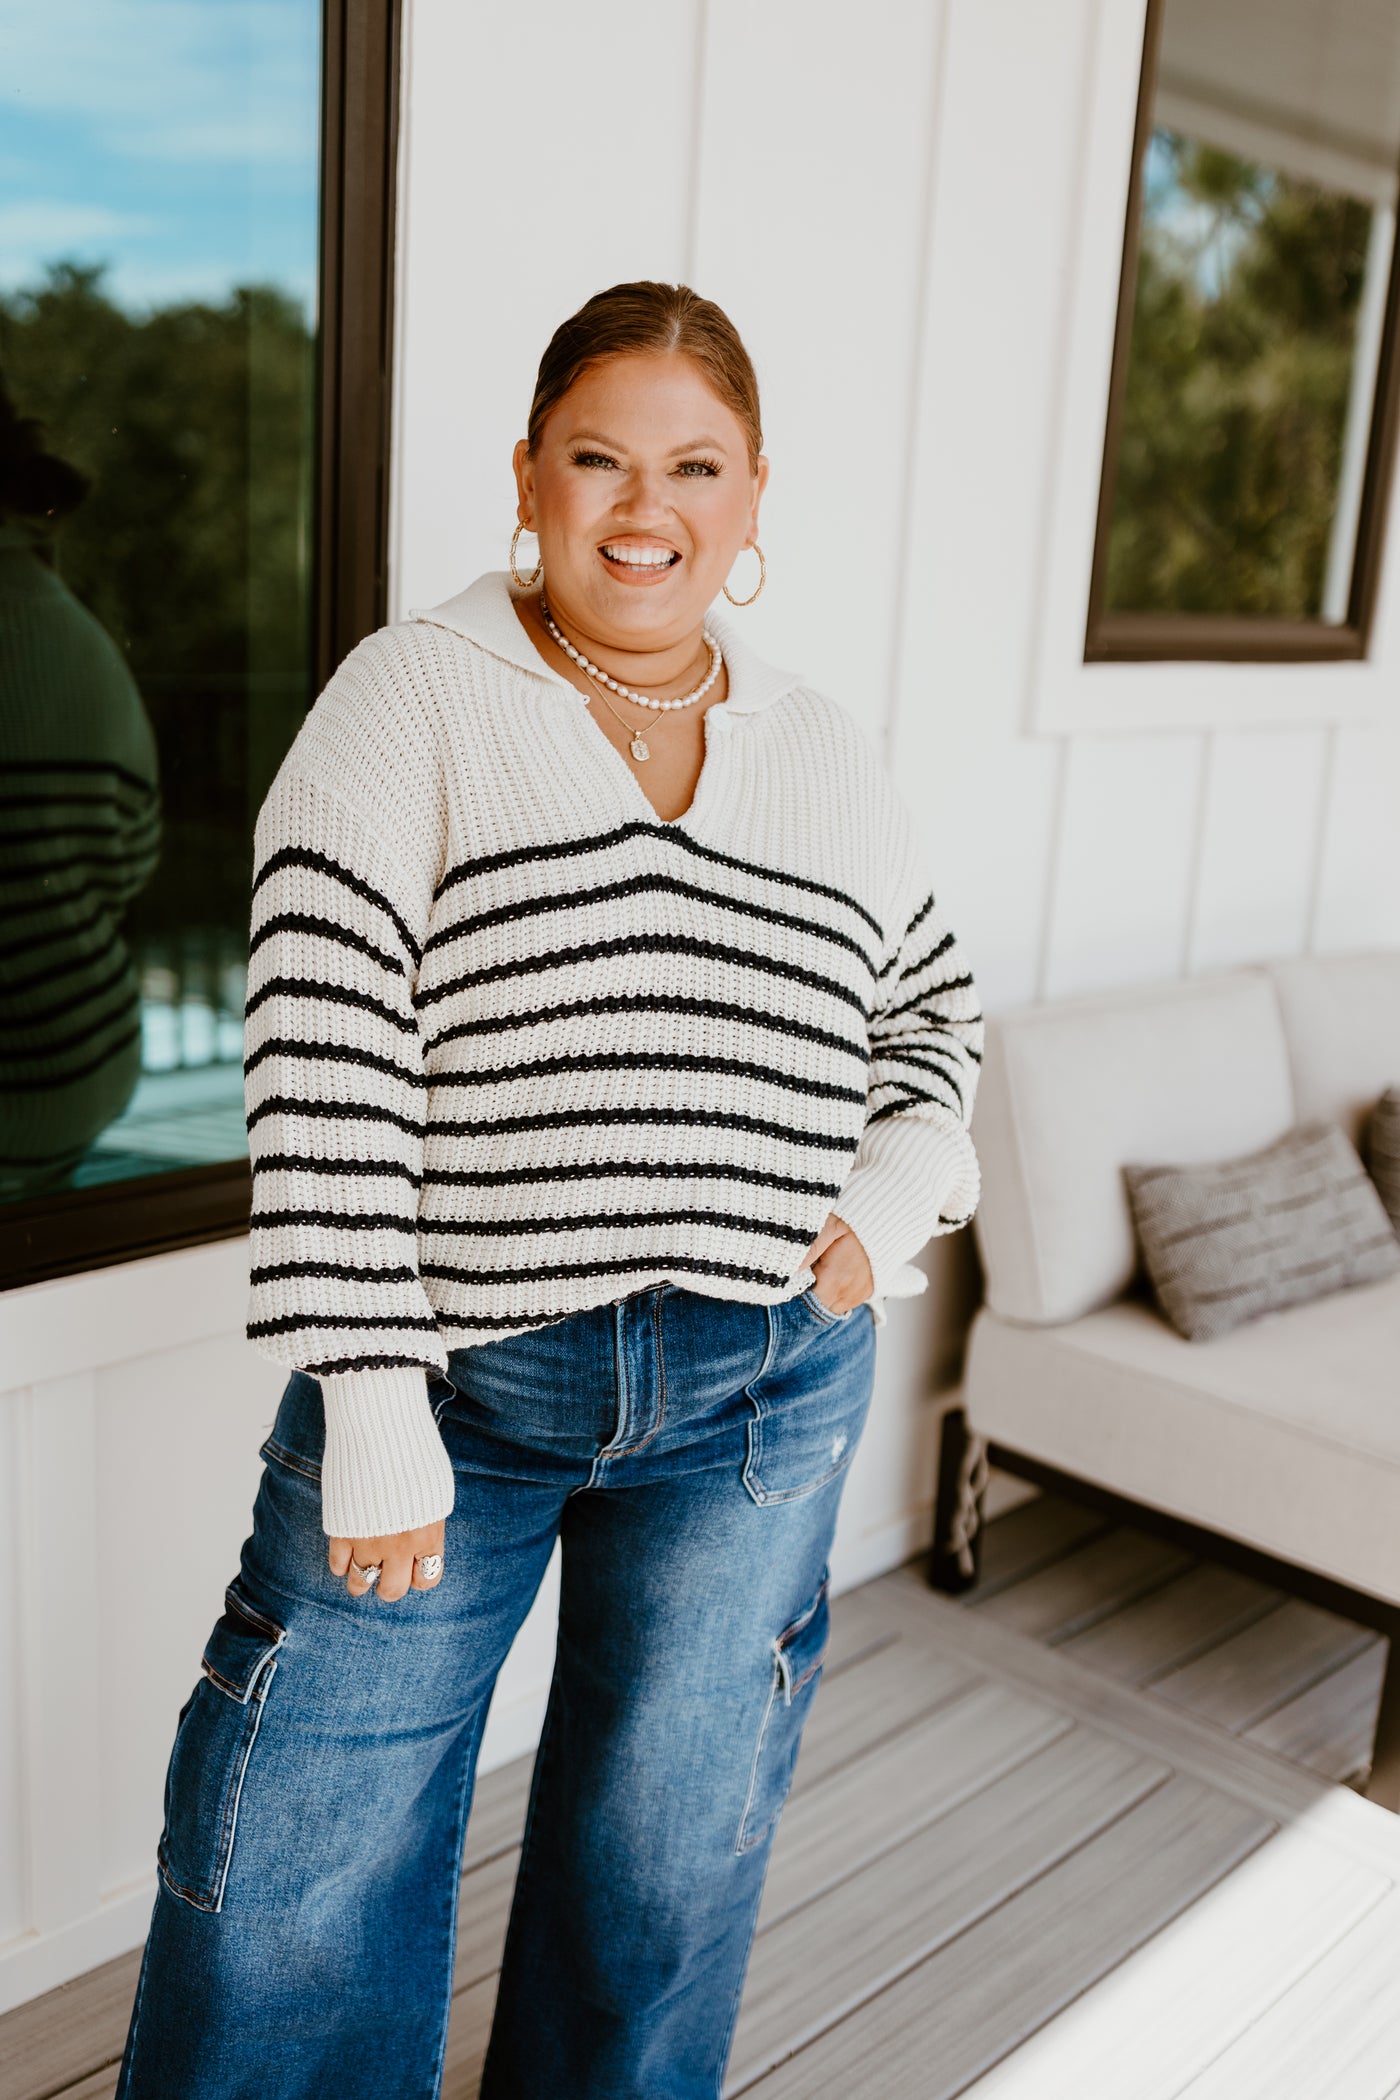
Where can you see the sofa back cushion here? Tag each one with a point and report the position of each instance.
(1073, 1090)
(1341, 1018)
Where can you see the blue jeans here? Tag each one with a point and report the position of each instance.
(690, 1452)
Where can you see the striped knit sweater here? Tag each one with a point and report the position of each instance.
(517, 1047)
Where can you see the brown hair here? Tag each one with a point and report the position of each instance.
(34, 483)
(631, 318)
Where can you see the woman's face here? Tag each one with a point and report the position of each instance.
(642, 495)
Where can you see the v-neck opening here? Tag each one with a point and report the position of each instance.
(584, 702)
(706, 765)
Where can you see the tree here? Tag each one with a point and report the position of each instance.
(1239, 372)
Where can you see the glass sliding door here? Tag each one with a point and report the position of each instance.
(162, 443)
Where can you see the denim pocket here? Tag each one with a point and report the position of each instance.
(798, 1653)
(823, 1312)
(809, 1401)
(214, 1737)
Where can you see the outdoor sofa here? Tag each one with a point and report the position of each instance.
(1274, 1448)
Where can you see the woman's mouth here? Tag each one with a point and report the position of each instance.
(638, 561)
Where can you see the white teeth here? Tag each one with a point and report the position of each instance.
(633, 558)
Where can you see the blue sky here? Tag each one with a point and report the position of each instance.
(1207, 245)
(173, 140)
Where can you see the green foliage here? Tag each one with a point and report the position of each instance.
(195, 423)
(1243, 335)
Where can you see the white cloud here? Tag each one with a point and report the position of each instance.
(36, 225)
(167, 79)
(33, 233)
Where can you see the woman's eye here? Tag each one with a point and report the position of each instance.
(691, 468)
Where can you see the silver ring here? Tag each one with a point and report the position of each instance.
(369, 1575)
(431, 1565)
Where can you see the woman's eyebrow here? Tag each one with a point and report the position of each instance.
(596, 437)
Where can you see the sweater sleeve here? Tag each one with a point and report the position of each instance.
(915, 1172)
(336, 1092)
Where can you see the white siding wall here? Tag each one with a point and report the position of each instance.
(892, 203)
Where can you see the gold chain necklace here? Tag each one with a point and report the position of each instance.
(638, 746)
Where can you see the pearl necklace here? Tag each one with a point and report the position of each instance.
(625, 692)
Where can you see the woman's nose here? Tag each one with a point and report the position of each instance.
(643, 495)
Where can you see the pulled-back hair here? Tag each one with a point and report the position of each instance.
(628, 319)
(34, 482)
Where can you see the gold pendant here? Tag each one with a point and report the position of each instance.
(638, 747)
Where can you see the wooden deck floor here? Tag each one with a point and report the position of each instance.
(1287, 1676)
(1073, 1836)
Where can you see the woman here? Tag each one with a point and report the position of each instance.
(608, 1057)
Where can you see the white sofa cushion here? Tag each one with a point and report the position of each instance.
(1285, 1434)
(1341, 1018)
(1072, 1090)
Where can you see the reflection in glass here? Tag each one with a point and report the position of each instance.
(1266, 238)
(79, 837)
(158, 262)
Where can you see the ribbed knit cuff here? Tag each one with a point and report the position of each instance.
(914, 1177)
(386, 1468)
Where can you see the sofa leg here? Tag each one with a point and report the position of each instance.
(955, 1561)
(1383, 1786)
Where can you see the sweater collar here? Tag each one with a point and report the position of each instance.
(485, 613)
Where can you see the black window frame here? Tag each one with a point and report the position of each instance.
(1122, 637)
(80, 1229)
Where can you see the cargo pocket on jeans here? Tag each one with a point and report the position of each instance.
(214, 1738)
(798, 1653)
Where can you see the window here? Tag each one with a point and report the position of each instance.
(1252, 410)
(193, 402)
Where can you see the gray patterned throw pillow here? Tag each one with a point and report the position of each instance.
(1238, 1237)
(1383, 1150)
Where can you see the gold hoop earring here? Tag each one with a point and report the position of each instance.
(523, 582)
(762, 579)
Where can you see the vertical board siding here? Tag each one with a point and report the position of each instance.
(1002, 194)
(547, 153)
(810, 223)
(61, 1722)
(1258, 849)
(1123, 884)
(1358, 887)
(177, 1456)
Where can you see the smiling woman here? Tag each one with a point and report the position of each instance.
(597, 1097)
(637, 534)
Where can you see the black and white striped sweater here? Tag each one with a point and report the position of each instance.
(516, 1046)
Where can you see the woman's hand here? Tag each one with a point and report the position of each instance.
(396, 1553)
(843, 1275)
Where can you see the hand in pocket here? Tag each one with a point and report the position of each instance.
(842, 1271)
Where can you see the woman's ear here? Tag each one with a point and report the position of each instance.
(524, 482)
(760, 483)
